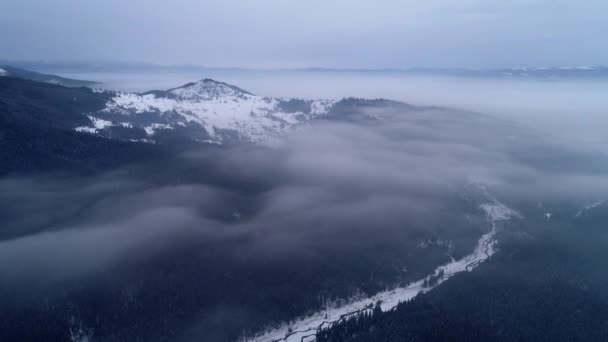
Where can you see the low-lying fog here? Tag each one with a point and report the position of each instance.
(564, 108)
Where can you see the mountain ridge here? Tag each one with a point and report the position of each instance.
(10, 71)
(216, 112)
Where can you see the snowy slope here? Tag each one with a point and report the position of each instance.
(305, 329)
(218, 110)
(3, 72)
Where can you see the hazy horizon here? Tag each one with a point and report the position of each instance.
(289, 34)
(42, 64)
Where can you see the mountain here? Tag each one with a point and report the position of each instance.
(36, 130)
(212, 112)
(9, 71)
(47, 126)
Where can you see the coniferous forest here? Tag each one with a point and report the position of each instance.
(539, 287)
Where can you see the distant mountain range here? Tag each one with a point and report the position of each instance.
(573, 72)
(598, 72)
(544, 72)
(10, 71)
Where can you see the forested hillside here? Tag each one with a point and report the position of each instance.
(540, 287)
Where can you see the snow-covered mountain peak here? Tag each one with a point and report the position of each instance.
(206, 110)
(207, 89)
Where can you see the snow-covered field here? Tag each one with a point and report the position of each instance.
(304, 329)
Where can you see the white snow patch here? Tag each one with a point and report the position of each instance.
(3, 72)
(99, 124)
(209, 141)
(150, 130)
(589, 207)
(84, 129)
(78, 333)
(305, 329)
(319, 107)
(142, 140)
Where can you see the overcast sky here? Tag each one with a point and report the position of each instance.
(303, 33)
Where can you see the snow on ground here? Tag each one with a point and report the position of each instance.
(85, 129)
(216, 107)
(589, 207)
(304, 329)
(150, 130)
(3, 72)
(99, 124)
(320, 107)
